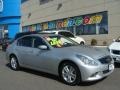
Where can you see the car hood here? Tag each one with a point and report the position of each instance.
(92, 52)
(115, 46)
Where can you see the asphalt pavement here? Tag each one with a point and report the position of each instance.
(26, 79)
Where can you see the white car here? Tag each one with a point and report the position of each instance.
(115, 50)
(66, 33)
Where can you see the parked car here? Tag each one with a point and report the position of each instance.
(20, 34)
(60, 56)
(67, 33)
(115, 50)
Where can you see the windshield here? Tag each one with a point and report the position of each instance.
(66, 34)
(118, 39)
(60, 41)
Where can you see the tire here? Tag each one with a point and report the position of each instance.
(70, 74)
(14, 63)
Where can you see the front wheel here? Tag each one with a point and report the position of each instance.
(14, 63)
(70, 74)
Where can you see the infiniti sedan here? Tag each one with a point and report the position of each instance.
(60, 56)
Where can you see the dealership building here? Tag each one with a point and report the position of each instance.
(90, 19)
(9, 18)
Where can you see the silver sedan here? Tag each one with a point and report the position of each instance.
(60, 56)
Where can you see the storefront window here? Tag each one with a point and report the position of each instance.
(93, 24)
(79, 30)
(89, 29)
(89, 24)
(71, 29)
(103, 29)
(44, 1)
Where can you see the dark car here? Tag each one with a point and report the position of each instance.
(18, 35)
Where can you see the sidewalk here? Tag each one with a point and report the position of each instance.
(101, 46)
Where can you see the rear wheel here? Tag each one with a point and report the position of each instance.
(82, 43)
(14, 63)
(70, 74)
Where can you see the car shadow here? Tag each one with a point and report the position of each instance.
(54, 77)
(8, 65)
(117, 65)
(38, 73)
(91, 83)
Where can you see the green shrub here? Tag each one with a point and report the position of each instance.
(104, 43)
(93, 42)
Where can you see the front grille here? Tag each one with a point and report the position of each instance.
(116, 52)
(105, 60)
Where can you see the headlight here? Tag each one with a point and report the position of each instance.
(87, 60)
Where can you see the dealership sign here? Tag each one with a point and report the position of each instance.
(1, 5)
(95, 19)
(69, 22)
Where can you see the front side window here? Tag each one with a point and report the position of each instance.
(25, 41)
(38, 41)
(66, 34)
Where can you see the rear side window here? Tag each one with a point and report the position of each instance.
(66, 34)
(26, 42)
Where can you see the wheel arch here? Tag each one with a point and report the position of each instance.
(12, 54)
(82, 43)
(68, 61)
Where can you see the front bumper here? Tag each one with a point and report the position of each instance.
(116, 58)
(93, 73)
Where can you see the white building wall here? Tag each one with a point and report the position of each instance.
(70, 8)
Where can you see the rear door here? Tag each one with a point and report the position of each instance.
(24, 46)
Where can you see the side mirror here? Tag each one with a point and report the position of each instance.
(43, 47)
